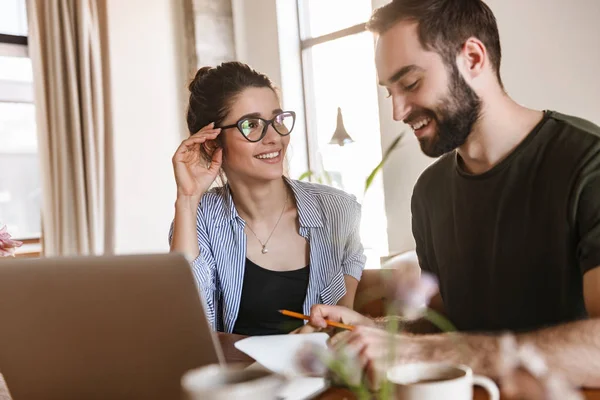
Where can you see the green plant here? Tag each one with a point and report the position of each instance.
(379, 167)
(325, 177)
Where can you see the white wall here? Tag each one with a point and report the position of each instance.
(551, 54)
(147, 73)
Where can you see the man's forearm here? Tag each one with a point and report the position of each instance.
(572, 349)
(419, 326)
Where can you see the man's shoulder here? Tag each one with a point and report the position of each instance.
(571, 142)
(576, 124)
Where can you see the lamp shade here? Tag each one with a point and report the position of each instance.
(340, 136)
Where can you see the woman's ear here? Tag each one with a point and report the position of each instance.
(212, 145)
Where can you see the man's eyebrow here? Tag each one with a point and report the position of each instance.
(400, 73)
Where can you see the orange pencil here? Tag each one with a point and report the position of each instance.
(330, 323)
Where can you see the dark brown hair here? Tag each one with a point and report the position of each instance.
(444, 25)
(213, 91)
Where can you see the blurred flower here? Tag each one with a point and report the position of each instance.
(341, 365)
(412, 291)
(8, 246)
(312, 360)
(525, 375)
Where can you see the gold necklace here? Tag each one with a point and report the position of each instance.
(264, 245)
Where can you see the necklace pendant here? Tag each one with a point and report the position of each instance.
(265, 250)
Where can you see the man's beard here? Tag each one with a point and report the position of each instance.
(454, 117)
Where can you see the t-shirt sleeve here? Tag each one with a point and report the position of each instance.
(419, 230)
(588, 221)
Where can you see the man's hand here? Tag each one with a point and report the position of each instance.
(376, 350)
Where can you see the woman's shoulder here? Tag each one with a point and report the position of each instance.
(326, 194)
(214, 201)
(215, 194)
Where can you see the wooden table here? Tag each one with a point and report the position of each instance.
(234, 355)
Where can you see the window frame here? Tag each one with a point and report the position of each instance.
(306, 43)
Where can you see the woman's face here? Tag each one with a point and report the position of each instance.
(258, 161)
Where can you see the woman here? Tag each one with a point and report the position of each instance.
(262, 242)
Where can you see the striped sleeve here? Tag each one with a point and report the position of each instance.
(203, 269)
(354, 256)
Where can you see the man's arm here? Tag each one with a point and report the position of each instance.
(572, 349)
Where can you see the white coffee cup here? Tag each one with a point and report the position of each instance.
(231, 382)
(432, 381)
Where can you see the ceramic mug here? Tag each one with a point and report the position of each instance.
(433, 381)
(221, 382)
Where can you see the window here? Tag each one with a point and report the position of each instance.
(339, 72)
(20, 188)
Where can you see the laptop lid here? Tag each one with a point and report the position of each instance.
(108, 327)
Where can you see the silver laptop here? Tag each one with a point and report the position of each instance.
(110, 327)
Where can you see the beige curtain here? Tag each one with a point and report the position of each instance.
(67, 45)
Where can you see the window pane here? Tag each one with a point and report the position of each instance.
(325, 16)
(13, 17)
(20, 189)
(338, 78)
(16, 69)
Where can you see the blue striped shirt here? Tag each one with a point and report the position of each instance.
(329, 220)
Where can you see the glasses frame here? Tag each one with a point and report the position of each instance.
(267, 122)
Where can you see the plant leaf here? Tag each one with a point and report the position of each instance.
(305, 175)
(379, 166)
(439, 320)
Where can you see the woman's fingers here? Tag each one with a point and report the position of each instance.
(217, 160)
(194, 140)
(209, 126)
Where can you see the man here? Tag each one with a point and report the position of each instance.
(508, 218)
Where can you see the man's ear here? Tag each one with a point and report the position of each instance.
(473, 58)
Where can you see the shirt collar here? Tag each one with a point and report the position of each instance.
(309, 212)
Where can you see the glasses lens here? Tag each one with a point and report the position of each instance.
(252, 128)
(284, 123)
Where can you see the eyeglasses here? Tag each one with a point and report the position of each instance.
(254, 129)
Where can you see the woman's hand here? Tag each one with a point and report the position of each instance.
(321, 312)
(192, 175)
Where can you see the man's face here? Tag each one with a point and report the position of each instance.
(427, 94)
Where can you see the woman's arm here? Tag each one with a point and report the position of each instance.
(188, 235)
(184, 233)
(354, 259)
(348, 299)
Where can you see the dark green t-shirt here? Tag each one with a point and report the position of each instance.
(510, 246)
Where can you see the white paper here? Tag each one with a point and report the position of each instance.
(278, 352)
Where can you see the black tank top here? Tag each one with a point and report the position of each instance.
(264, 292)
